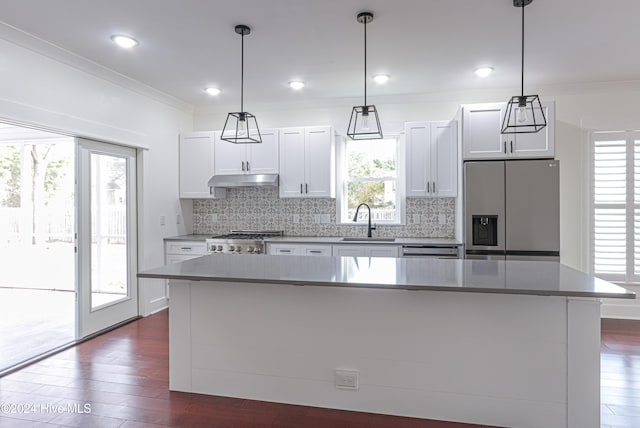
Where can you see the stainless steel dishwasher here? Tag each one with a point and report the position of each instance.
(432, 251)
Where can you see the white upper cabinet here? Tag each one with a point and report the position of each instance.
(537, 145)
(196, 160)
(260, 158)
(307, 162)
(432, 159)
(481, 137)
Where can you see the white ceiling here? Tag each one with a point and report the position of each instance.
(426, 46)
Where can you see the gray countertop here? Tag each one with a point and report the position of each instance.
(477, 276)
(333, 240)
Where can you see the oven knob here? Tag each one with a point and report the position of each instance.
(238, 249)
(219, 248)
(257, 251)
(250, 250)
(231, 248)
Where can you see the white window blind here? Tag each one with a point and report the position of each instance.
(616, 206)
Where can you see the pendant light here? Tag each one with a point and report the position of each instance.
(240, 126)
(364, 123)
(524, 113)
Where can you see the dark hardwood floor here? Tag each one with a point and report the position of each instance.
(123, 376)
(620, 374)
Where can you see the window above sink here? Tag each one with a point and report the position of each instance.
(368, 171)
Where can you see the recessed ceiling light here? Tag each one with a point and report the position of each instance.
(124, 41)
(381, 78)
(212, 91)
(483, 71)
(296, 84)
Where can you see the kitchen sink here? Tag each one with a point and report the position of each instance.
(368, 239)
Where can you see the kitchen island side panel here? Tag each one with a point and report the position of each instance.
(467, 357)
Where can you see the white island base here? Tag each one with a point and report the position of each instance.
(495, 359)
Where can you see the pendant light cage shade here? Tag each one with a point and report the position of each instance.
(241, 128)
(524, 115)
(364, 123)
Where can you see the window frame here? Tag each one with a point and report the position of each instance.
(342, 175)
(630, 204)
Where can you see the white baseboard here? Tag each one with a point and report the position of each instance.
(621, 311)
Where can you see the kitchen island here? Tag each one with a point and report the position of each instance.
(488, 342)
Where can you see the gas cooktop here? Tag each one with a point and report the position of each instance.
(241, 241)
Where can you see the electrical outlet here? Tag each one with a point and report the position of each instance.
(178, 219)
(316, 218)
(214, 218)
(163, 220)
(325, 218)
(442, 219)
(415, 219)
(346, 379)
(296, 218)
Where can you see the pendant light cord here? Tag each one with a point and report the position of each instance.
(522, 56)
(242, 74)
(365, 61)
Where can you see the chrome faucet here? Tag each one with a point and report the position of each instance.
(369, 226)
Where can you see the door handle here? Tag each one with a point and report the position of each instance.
(434, 187)
(248, 168)
(306, 187)
(300, 188)
(504, 147)
(428, 187)
(511, 146)
(242, 166)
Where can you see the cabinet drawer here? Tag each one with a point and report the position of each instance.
(177, 258)
(299, 250)
(317, 250)
(186, 248)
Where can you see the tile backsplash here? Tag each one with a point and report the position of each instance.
(262, 209)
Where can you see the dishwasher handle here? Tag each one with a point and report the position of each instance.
(449, 251)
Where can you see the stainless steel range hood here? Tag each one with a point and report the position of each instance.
(244, 180)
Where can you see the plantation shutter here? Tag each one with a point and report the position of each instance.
(616, 206)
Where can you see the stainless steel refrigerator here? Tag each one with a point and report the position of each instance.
(512, 210)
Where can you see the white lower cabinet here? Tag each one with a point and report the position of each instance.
(375, 250)
(179, 251)
(299, 249)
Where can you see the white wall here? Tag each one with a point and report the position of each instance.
(43, 86)
(579, 110)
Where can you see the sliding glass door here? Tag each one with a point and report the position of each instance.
(106, 236)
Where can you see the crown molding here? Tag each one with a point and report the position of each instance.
(464, 96)
(50, 50)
